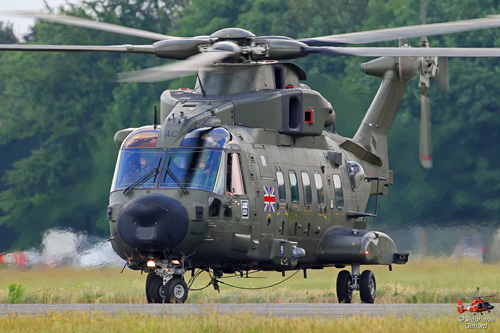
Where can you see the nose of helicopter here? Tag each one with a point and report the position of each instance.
(153, 222)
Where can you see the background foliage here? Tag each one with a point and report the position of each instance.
(59, 112)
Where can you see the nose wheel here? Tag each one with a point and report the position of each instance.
(347, 283)
(174, 291)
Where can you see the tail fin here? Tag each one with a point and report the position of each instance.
(460, 307)
(372, 133)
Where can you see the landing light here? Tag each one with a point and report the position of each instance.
(151, 263)
(176, 262)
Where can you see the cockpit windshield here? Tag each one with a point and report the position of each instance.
(194, 168)
(197, 164)
(135, 164)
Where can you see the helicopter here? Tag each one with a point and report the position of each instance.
(239, 173)
(477, 305)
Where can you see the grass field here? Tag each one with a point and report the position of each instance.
(420, 281)
(95, 322)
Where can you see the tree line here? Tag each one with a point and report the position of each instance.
(59, 111)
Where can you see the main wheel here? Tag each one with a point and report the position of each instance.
(177, 290)
(344, 291)
(367, 287)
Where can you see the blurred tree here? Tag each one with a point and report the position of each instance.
(10, 152)
(69, 106)
(60, 111)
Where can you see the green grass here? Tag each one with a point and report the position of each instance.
(97, 322)
(419, 281)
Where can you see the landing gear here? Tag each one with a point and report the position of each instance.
(367, 287)
(149, 280)
(344, 287)
(153, 292)
(165, 284)
(174, 291)
(364, 282)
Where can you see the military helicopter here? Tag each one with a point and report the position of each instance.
(239, 174)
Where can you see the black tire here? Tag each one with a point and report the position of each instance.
(367, 287)
(177, 290)
(156, 290)
(149, 279)
(344, 291)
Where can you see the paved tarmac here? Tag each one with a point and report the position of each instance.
(273, 309)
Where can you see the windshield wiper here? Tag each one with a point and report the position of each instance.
(150, 174)
(174, 177)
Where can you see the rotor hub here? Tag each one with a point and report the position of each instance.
(238, 35)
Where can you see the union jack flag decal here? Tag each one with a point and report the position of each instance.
(269, 199)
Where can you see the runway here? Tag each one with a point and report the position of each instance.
(272, 309)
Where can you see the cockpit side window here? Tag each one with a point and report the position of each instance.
(234, 177)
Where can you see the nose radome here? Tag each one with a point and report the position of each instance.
(153, 222)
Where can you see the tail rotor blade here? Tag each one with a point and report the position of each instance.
(423, 11)
(425, 133)
(442, 78)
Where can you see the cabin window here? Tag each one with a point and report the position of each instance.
(294, 186)
(281, 186)
(306, 182)
(320, 191)
(339, 195)
(234, 177)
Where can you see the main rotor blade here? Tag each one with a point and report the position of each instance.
(126, 48)
(404, 51)
(175, 70)
(382, 35)
(89, 24)
(425, 133)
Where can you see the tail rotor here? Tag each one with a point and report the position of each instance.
(460, 307)
(429, 67)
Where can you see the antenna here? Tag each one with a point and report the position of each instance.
(155, 117)
(201, 85)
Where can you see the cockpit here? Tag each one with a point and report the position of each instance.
(198, 163)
